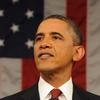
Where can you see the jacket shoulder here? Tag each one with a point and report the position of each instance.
(26, 94)
(85, 95)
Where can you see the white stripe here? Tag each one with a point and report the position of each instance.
(54, 7)
(93, 46)
(10, 76)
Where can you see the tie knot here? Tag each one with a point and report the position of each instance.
(55, 93)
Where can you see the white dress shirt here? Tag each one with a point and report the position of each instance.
(45, 88)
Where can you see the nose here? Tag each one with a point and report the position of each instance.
(45, 43)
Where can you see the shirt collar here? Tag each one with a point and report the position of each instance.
(67, 89)
(45, 88)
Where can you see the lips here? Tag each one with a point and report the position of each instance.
(45, 55)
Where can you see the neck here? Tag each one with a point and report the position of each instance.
(57, 78)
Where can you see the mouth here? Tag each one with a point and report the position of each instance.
(45, 55)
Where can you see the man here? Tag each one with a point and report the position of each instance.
(57, 46)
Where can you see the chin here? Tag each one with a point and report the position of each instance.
(47, 66)
(47, 70)
(43, 69)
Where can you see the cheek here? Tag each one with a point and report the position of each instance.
(64, 52)
(36, 48)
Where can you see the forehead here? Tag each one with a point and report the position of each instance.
(56, 25)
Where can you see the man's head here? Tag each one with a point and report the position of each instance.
(58, 43)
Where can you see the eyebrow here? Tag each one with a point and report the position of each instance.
(52, 33)
(39, 34)
(56, 33)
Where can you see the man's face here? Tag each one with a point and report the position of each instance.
(53, 48)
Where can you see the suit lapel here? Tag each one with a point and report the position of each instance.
(78, 94)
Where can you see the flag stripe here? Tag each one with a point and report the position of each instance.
(55, 7)
(29, 73)
(10, 79)
(93, 47)
(77, 11)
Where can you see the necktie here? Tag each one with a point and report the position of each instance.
(55, 93)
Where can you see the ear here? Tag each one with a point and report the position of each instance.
(79, 53)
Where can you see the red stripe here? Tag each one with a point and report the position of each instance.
(29, 73)
(77, 11)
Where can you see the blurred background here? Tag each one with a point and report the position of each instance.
(18, 23)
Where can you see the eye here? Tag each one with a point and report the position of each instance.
(38, 38)
(56, 37)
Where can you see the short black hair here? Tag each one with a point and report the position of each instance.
(79, 39)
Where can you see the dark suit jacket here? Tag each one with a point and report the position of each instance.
(33, 94)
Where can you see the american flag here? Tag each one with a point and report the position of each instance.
(18, 23)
